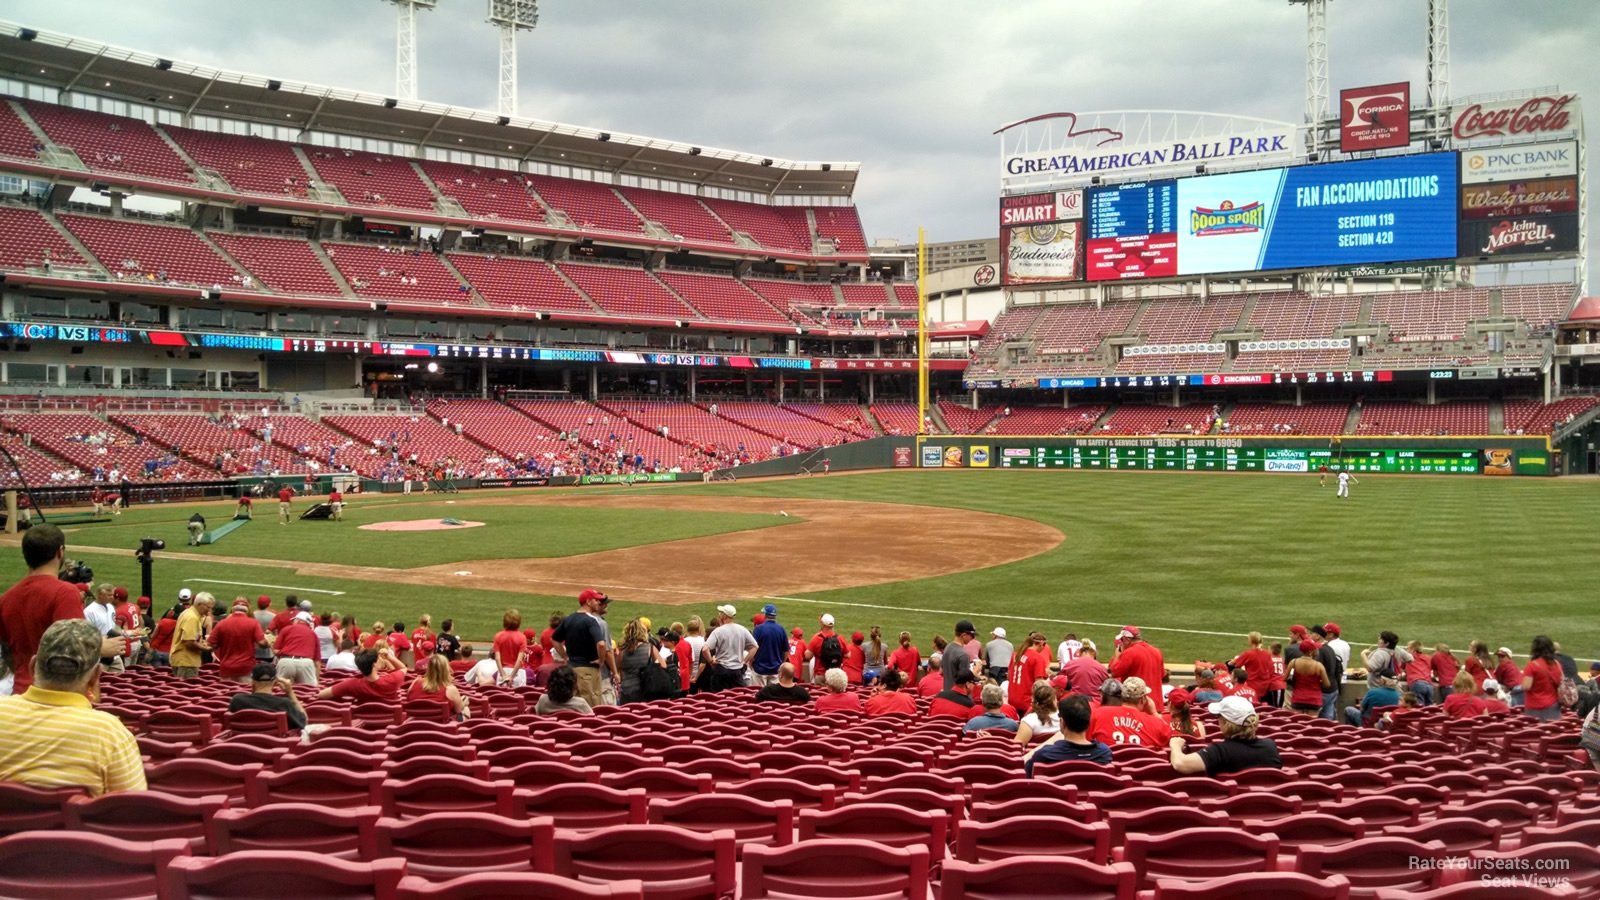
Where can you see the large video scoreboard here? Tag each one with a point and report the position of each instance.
(1240, 459)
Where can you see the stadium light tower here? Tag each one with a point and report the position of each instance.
(1316, 68)
(1439, 60)
(511, 16)
(405, 46)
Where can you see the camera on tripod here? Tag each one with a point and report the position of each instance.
(147, 545)
(74, 571)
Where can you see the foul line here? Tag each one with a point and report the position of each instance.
(284, 587)
(955, 612)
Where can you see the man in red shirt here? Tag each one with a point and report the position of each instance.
(1134, 658)
(336, 503)
(299, 651)
(285, 497)
(422, 635)
(1114, 723)
(933, 682)
(234, 641)
(1509, 675)
(1257, 665)
(382, 674)
(291, 605)
(855, 659)
(797, 653)
(130, 619)
(1085, 673)
(1445, 667)
(245, 509)
(814, 648)
(464, 661)
(39, 599)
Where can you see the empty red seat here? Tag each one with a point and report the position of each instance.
(1134, 798)
(1570, 862)
(1033, 836)
(1585, 831)
(801, 794)
(752, 821)
(256, 721)
(1157, 820)
(883, 823)
(1459, 834)
(446, 793)
(266, 875)
(1253, 804)
(1020, 789)
(194, 777)
(539, 774)
(145, 816)
(323, 785)
(1378, 862)
(233, 752)
(1377, 811)
(1472, 890)
(339, 832)
(175, 726)
(835, 868)
(1313, 829)
(1277, 885)
(516, 886)
(26, 808)
(439, 845)
(74, 865)
(584, 805)
(1198, 854)
(663, 783)
(673, 863)
(1033, 806)
(954, 807)
(416, 766)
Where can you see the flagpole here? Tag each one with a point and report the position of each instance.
(922, 334)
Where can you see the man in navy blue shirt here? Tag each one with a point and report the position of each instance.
(772, 647)
(1072, 742)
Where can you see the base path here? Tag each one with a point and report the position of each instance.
(836, 544)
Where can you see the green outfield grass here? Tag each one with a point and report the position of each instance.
(1195, 559)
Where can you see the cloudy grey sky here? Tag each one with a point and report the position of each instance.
(910, 88)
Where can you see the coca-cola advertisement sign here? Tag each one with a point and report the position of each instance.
(1543, 197)
(1375, 118)
(1519, 236)
(1518, 117)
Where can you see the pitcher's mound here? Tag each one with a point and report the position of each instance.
(420, 525)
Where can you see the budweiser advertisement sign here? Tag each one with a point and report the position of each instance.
(1518, 117)
(1375, 118)
(1519, 236)
(1543, 197)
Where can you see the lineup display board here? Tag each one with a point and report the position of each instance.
(1189, 458)
(1393, 209)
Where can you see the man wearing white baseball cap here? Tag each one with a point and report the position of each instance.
(1239, 748)
(728, 650)
(997, 655)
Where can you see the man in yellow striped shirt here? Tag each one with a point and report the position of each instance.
(54, 737)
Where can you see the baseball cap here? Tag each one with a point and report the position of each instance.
(1128, 631)
(965, 676)
(264, 671)
(1089, 645)
(428, 646)
(240, 605)
(826, 620)
(645, 621)
(1308, 646)
(1234, 709)
(1134, 688)
(965, 627)
(857, 637)
(1180, 697)
(796, 631)
(121, 593)
(592, 594)
(305, 605)
(770, 611)
(263, 602)
(758, 619)
(68, 651)
(934, 658)
(303, 617)
(728, 610)
(1060, 683)
(1297, 630)
(1490, 686)
(1594, 666)
(1503, 651)
(1332, 628)
(999, 632)
(1111, 687)
(144, 601)
(185, 594)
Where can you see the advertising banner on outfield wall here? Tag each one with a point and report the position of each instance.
(1554, 159)
(932, 456)
(978, 456)
(1375, 117)
(955, 457)
(1542, 197)
(1517, 235)
(902, 457)
(1041, 253)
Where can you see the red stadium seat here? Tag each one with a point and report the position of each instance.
(446, 793)
(1254, 805)
(1277, 885)
(1515, 815)
(584, 805)
(1021, 789)
(145, 816)
(1198, 854)
(1033, 806)
(833, 868)
(723, 770)
(1377, 810)
(1481, 891)
(884, 823)
(1133, 799)
(752, 821)
(663, 783)
(439, 845)
(1032, 876)
(176, 727)
(256, 721)
(25, 808)
(1158, 820)
(839, 778)
(1458, 834)
(236, 752)
(322, 785)
(1572, 862)
(1586, 831)
(938, 782)
(70, 866)
(264, 875)
(192, 777)
(516, 886)
(540, 774)
(338, 832)
(1033, 836)
(672, 862)
(801, 794)
(415, 766)
(953, 807)
(1311, 829)
(1378, 862)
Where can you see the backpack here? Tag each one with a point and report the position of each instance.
(831, 653)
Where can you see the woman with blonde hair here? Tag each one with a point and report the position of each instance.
(1043, 720)
(373, 637)
(436, 685)
(1239, 748)
(633, 655)
(695, 637)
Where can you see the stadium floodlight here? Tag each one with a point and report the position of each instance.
(405, 45)
(510, 17)
(1316, 63)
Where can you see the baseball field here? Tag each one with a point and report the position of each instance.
(1196, 560)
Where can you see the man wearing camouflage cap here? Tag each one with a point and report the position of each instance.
(54, 735)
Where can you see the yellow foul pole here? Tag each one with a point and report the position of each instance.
(922, 334)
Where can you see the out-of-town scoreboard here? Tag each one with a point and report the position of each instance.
(1240, 459)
